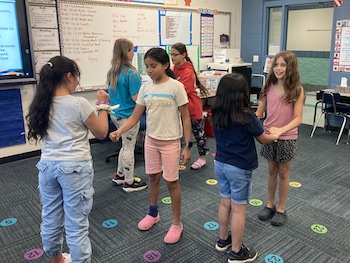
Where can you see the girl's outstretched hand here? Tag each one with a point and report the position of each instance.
(115, 136)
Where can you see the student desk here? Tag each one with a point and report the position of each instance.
(205, 99)
(344, 96)
(344, 99)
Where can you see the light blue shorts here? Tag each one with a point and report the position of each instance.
(234, 182)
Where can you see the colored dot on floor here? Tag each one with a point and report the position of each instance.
(137, 179)
(320, 229)
(295, 184)
(182, 167)
(211, 225)
(33, 254)
(8, 221)
(213, 154)
(212, 181)
(166, 200)
(110, 223)
(152, 256)
(272, 258)
(255, 202)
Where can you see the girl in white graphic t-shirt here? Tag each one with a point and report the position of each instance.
(168, 120)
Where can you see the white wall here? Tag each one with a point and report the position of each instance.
(232, 6)
(310, 29)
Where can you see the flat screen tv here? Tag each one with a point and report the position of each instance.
(16, 54)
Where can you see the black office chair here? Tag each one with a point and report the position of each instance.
(331, 106)
(140, 140)
(255, 90)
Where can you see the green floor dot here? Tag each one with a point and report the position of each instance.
(320, 229)
(166, 200)
(255, 202)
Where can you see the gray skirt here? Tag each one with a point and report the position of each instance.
(281, 151)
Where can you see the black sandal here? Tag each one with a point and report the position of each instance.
(266, 213)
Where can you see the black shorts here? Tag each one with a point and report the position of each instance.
(280, 151)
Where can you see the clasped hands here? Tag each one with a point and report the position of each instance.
(276, 131)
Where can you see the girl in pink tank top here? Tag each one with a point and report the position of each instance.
(282, 98)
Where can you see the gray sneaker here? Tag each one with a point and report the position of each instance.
(134, 187)
(245, 255)
(118, 180)
(222, 245)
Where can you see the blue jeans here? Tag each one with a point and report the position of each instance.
(66, 190)
(234, 182)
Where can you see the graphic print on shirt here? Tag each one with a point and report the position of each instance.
(162, 100)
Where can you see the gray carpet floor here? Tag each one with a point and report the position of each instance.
(321, 167)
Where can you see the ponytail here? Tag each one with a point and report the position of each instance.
(170, 73)
(51, 74)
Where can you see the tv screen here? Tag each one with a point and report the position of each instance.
(16, 56)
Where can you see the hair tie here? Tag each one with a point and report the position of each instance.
(50, 64)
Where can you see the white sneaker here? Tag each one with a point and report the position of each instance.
(67, 258)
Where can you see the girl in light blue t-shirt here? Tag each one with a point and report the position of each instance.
(124, 83)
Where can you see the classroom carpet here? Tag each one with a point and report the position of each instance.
(317, 230)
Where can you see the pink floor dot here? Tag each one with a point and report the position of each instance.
(152, 256)
(33, 254)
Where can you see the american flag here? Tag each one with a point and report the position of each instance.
(337, 2)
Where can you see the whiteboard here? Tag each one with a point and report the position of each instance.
(88, 30)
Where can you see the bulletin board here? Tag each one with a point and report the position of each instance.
(341, 59)
(87, 31)
(12, 130)
(138, 60)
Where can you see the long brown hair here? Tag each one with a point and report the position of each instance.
(120, 58)
(291, 80)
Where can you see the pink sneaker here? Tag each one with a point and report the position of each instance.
(174, 234)
(148, 221)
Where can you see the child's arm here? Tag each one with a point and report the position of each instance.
(260, 112)
(186, 122)
(297, 115)
(98, 125)
(130, 122)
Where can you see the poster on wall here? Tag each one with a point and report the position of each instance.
(43, 16)
(341, 57)
(138, 60)
(175, 27)
(207, 35)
